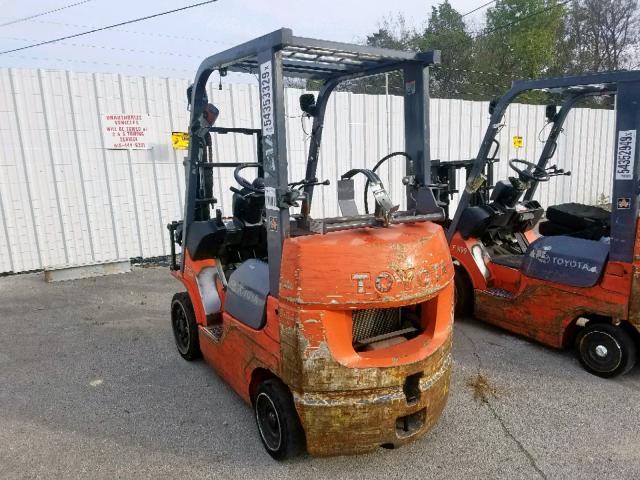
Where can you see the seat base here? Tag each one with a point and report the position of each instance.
(512, 261)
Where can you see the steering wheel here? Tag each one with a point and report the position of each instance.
(536, 174)
(257, 186)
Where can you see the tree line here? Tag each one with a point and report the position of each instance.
(519, 39)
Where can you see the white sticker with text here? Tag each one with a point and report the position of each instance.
(626, 154)
(270, 199)
(266, 98)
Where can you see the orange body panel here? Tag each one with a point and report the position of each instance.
(348, 401)
(542, 310)
(372, 268)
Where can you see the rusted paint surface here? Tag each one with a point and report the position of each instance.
(634, 301)
(538, 309)
(241, 349)
(362, 422)
(348, 401)
(373, 266)
(325, 360)
(543, 312)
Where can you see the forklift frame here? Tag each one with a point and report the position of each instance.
(279, 54)
(346, 335)
(626, 87)
(564, 284)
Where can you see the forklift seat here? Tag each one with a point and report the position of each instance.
(577, 220)
(247, 292)
(568, 260)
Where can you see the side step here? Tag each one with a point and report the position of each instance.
(500, 292)
(214, 331)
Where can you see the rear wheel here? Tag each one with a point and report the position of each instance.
(606, 350)
(185, 328)
(463, 293)
(278, 423)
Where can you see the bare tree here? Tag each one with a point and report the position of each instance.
(601, 35)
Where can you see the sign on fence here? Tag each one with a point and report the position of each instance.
(180, 140)
(126, 131)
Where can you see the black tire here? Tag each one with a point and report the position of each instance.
(605, 350)
(278, 423)
(463, 293)
(185, 328)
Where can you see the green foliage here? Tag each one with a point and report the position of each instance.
(520, 39)
(446, 31)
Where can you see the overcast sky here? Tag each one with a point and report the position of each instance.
(174, 45)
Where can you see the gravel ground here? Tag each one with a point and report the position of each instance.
(91, 387)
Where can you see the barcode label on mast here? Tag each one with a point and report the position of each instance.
(266, 98)
(626, 154)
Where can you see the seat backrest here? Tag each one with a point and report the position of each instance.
(247, 292)
(567, 260)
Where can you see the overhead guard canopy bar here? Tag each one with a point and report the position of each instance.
(310, 58)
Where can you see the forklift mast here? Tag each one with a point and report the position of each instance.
(625, 86)
(272, 58)
(557, 121)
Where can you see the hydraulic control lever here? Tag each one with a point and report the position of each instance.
(309, 183)
(384, 206)
(554, 171)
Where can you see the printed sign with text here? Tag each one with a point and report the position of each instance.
(123, 131)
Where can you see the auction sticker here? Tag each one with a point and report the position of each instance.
(626, 154)
(266, 98)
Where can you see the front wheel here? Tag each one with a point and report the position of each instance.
(185, 328)
(463, 293)
(278, 423)
(605, 350)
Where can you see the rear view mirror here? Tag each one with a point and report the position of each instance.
(308, 104)
(203, 99)
(210, 113)
(550, 112)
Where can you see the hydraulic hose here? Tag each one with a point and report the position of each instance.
(377, 165)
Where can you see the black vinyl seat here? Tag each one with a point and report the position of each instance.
(577, 220)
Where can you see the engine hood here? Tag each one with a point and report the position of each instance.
(370, 267)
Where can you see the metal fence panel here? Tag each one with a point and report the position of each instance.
(66, 200)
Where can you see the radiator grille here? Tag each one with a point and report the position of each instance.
(375, 321)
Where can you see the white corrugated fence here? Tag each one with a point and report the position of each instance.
(66, 200)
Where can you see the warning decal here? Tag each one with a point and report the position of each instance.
(180, 140)
(518, 141)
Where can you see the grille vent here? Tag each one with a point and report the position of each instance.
(375, 321)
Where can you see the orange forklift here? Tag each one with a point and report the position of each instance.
(573, 279)
(337, 331)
